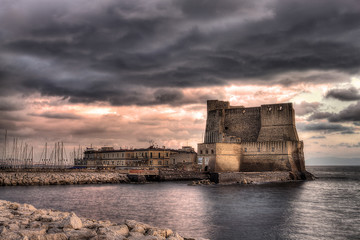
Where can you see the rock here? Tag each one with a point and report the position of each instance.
(136, 234)
(56, 236)
(13, 206)
(159, 232)
(133, 224)
(11, 236)
(119, 229)
(33, 234)
(80, 234)
(175, 236)
(13, 227)
(72, 221)
(139, 229)
(25, 222)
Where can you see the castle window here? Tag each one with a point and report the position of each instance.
(245, 149)
(212, 151)
(200, 151)
(258, 149)
(273, 149)
(159, 155)
(207, 152)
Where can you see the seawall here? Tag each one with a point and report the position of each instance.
(179, 175)
(259, 177)
(24, 221)
(25, 178)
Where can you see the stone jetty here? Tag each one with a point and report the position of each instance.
(25, 222)
(60, 178)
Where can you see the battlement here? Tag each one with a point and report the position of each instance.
(269, 122)
(216, 104)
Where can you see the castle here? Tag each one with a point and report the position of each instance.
(256, 139)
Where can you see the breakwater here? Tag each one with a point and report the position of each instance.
(26, 178)
(259, 177)
(24, 221)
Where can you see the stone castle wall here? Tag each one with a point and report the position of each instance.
(251, 139)
(278, 123)
(243, 123)
(271, 122)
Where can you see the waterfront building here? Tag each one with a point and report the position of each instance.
(152, 157)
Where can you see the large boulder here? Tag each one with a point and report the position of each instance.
(72, 221)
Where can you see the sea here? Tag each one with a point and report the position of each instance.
(326, 208)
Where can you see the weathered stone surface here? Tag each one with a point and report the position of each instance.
(56, 236)
(119, 229)
(159, 232)
(25, 222)
(72, 221)
(80, 234)
(59, 178)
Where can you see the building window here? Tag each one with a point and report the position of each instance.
(151, 155)
(167, 162)
(200, 151)
(258, 149)
(160, 162)
(167, 154)
(245, 149)
(159, 155)
(212, 151)
(151, 162)
(206, 152)
(273, 149)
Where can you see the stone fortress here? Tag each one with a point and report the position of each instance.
(255, 139)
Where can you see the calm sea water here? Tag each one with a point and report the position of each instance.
(327, 208)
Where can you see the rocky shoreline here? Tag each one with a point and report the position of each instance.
(25, 222)
(60, 178)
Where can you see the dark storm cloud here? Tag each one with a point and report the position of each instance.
(56, 115)
(351, 113)
(319, 115)
(348, 132)
(123, 52)
(350, 94)
(348, 145)
(304, 108)
(6, 105)
(318, 137)
(324, 127)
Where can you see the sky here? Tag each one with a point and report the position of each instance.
(125, 73)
